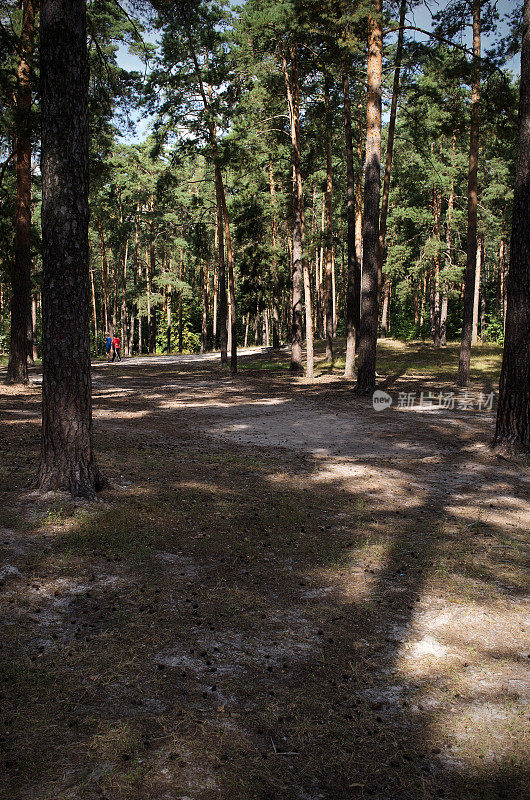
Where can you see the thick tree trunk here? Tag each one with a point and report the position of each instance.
(328, 285)
(370, 272)
(472, 200)
(513, 410)
(354, 267)
(67, 458)
(20, 343)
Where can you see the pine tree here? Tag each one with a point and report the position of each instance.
(67, 458)
(513, 411)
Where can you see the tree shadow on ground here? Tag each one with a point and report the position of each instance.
(239, 621)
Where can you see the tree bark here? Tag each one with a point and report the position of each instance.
(354, 267)
(298, 272)
(437, 211)
(390, 144)
(221, 272)
(180, 329)
(231, 286)
(67, 457)
(328, 285)
(370, 272)
(34, 327)
(483, 279)
(104, 280)
(152, 323)
(513, 410)
(123, 310)
(204, 328)
(448, 259)
(385, 309)
(472, 200)
(169, 302)
(476, 294)
(20, 343)
(275, 288)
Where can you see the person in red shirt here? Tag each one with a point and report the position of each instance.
(116, 345)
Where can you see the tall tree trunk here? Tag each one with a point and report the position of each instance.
(275, 288)
(300, 269)
(20, 344)
(130, 345)
(328, 286)
(390, 151)
(169, 301)
(385, 309)
(354, 267)
(215, 295)
(104, 279)
(448, 259)
(34, 328)
(94, 310)
(231, 289)
(476, 294)
(67, 458)
(483, 280)
(247, 323)
(513, 409)
(123, 310)
(221, 272)
(472, 200)
(370, 272)
(437, 211)
(151, 269)
(204, 328)
(180, 329)
(502, 276)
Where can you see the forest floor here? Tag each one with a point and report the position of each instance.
(284, 595)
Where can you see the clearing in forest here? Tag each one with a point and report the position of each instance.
(285, 595)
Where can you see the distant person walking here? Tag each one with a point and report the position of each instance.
(116, 345)
(108, 346)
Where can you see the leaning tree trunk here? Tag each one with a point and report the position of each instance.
(20, 343)
(67, 458)
(513, 409)
(472, 200)
(370, 282)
